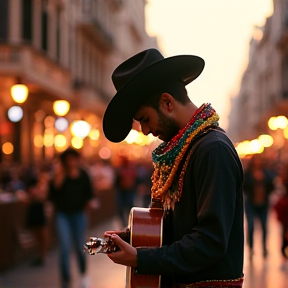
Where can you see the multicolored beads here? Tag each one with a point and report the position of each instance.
(167, 157)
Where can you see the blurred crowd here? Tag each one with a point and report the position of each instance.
(266, 191)
(63, 190)
(66, 186)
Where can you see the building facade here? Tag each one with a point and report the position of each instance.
(63, 50)
(264, 88)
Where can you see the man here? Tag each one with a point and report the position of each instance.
(198, 175)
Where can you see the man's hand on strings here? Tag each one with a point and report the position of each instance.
(126, 256)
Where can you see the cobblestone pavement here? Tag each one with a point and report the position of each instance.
(259, 273)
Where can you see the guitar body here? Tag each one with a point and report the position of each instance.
(145, 231)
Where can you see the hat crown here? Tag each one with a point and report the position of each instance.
(132, 66)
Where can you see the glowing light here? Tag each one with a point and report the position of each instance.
(282, 122)
(15, 114)
(132, 136)
(60, 140)
(38, 141)
(19, 93)
(49, 121)
(48, 140)
(80, 129)
(278, 122)
(266, 140)
(77, 142)
(94, 134)
(61, 107)
(272, 123)
(285, 132)
(61, 124)
(256, 147)
(7, 148)
(105, 153)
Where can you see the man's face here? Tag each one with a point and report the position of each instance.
(159, 123)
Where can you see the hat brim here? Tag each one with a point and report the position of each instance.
(118, 117)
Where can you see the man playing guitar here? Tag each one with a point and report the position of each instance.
(198, 175)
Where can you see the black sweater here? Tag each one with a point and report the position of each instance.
(203, 237)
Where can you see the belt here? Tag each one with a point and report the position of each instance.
(234, 283)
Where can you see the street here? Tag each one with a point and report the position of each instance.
(103, 273)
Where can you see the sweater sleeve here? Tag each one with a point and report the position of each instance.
(215, 177)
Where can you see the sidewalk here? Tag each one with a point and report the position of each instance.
(102, 272)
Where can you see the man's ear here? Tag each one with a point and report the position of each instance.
(166, 102)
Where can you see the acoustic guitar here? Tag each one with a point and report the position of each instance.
(145, 229)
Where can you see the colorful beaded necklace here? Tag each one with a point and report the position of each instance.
(168, 157)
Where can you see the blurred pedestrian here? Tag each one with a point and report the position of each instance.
(258, 185)
(71, 193)
(36, 215)
(126, 185)
(281, 209)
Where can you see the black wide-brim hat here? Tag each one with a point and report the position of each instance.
(135, 80)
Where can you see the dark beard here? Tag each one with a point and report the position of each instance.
(167, 127)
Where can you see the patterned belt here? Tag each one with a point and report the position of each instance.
(234, 283)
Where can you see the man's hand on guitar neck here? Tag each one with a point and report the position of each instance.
(126, 256)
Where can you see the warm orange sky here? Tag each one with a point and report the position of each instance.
(217, 30)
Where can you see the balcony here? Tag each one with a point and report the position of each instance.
(36, 68)
(91, 22)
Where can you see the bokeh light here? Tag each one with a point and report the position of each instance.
(61, 124)
(60, 140)
(61, 107)
(38, 141)
(266, 140)
(15, 114)
(77, 142)
(132, 136)
(256, 147)
(48, 140)
(19, 93)
(272, 123)
(281, 122)
(7, 148)
(105, 153)
(94, 134)
(80, 129)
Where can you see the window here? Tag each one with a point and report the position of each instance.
(27, 20)
(58, 33)
(4, 20)
(44, 25)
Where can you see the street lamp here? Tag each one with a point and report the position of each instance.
(19, 93)
(80, 129)
(61, 107)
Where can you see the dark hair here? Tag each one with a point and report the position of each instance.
(68, 152)
(176, 89)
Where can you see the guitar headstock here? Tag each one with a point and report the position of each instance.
(96, 245)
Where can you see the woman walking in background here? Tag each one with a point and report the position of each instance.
(71, 192)
(258, 185)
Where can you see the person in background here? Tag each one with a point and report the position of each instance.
(258, 185)
(71, 193)
(126, 185)
(36, 217)
(281, 209)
